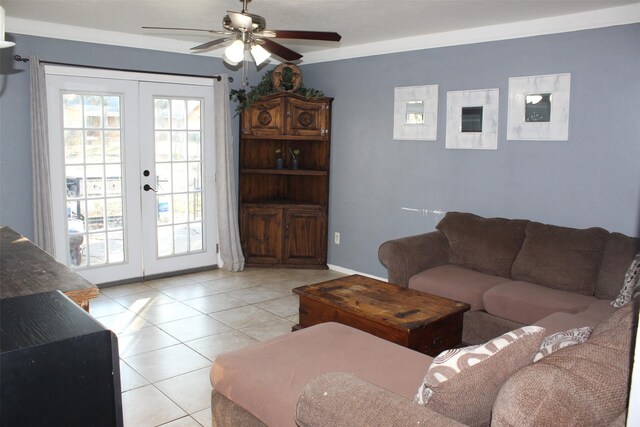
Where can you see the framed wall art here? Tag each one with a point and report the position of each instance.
(539, 107)
(415, 113)
(472, 119)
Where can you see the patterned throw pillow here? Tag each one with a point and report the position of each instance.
(483, 369)
(631, 283)
(559, 340)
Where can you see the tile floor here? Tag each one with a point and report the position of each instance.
(170, 331)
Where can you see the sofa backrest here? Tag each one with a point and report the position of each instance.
(561, 258)
(618, 254)
(586, 261)
(488, 245)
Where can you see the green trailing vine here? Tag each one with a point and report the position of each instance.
(265, 87)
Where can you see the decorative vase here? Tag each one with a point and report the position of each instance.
(294, 163)
(279, 163)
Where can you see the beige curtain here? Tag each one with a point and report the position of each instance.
(228, 231)
(42, 213)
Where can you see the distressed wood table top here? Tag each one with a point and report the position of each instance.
(26, 269)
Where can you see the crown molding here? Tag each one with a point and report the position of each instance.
(600, 18)
(90, 35)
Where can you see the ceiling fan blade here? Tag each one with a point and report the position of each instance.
(240, 20)
(279, 50)
(305, 35)
(211, 43)
(185, 29)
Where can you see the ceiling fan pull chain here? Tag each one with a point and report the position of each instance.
(245, 74)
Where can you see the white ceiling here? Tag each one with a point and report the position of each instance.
(367, 26)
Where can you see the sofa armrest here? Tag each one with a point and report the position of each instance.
(340, 399)
(410, 255)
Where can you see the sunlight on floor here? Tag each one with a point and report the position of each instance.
(170, 331)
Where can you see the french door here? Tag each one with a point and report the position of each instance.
(132, 168)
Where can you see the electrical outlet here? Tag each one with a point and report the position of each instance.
(336, 238)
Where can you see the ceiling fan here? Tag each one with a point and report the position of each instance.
(249, 31)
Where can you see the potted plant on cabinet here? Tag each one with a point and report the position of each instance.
(279, 160)
(294, 158)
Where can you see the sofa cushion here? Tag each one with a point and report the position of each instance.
(559, 321)
(463, 383)
(267, 378)
(561, 258)
(555, 342)
(488, 245)
(456, 283)
(597, 311)
(527, 303)
(618, 254)
(582, 385)
(631, 282)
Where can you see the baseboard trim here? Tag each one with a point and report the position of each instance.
(156, 276)
(350, 271)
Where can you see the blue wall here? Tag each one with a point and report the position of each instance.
(593, 179)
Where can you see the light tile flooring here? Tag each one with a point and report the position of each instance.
(170, 331)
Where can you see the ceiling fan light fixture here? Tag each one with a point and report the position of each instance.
(235, 52)
(3, 42)
(228, 61)
(259, 54)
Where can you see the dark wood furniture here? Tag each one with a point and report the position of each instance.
(283, 212)
(58, 365)
(423, 322)
(26, 269)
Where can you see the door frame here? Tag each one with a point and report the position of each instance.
(132, 169)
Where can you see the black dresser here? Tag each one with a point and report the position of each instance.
(58, 365)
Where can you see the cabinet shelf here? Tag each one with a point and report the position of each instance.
(282, 204)
(303, 172)
(310, 138)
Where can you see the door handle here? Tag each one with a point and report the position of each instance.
(147, 187)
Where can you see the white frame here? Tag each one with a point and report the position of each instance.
(489, 100)
(427, 131)
(132, 83)
(559, 86)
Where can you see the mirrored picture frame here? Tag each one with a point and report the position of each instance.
(472, 119)
(539, 107)
(415, 113)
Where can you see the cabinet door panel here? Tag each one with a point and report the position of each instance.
(305, 236)
(264, 118)
(308, 118)
(261, 235)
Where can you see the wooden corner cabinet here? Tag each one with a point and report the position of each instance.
(283, 208)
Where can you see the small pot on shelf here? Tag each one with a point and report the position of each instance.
(294, 158)
(279, 159)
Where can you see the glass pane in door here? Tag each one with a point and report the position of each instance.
(178, 154)
(93, 168)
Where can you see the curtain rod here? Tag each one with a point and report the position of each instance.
(21, 59)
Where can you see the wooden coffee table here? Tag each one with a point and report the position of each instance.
(423, 322)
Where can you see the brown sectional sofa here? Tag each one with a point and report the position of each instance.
(331, 374)
(514, 272)
(334, 375)
(583, 385)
